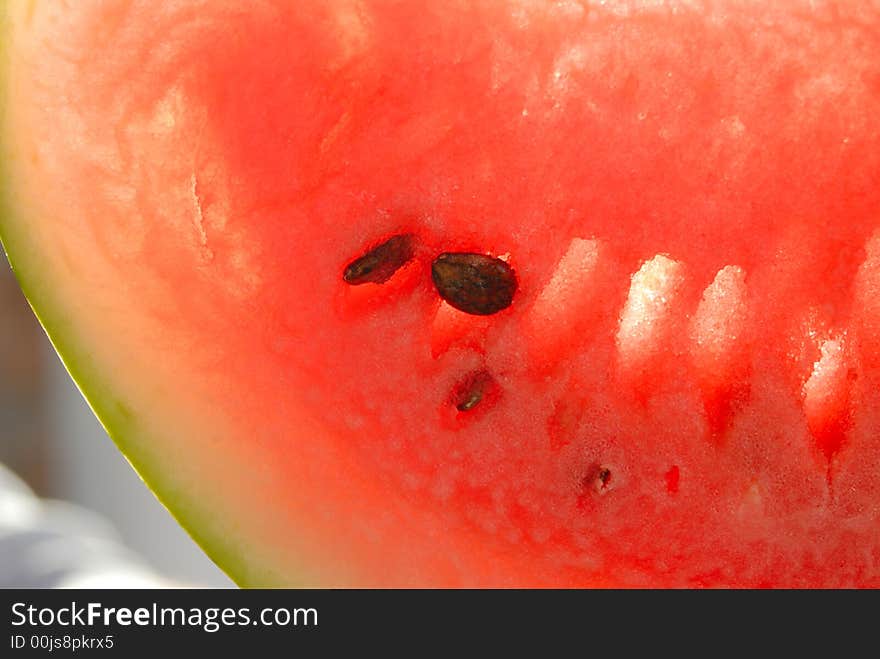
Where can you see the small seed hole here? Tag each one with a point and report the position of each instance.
(474, 389)
(672, 478)
(598, 478)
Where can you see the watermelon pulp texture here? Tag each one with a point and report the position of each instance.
(685, 390)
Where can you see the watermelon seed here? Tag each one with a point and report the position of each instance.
(380, 263)
(471, 390)
(477, 284)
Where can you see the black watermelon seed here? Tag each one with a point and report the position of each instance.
(380, 263)
(474, 283)
(471, 391)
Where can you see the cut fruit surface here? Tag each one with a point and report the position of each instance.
(504, 293)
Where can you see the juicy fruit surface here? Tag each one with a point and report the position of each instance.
(685, 389)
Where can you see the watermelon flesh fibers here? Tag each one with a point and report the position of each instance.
(685, 389)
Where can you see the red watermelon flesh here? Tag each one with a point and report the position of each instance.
(685, 390)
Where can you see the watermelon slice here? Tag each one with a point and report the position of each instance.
(503, 293)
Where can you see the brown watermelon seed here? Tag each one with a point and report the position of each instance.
(474, 283)
(380, 263)
(471, 390)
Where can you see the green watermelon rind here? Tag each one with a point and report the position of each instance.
(112, 413)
